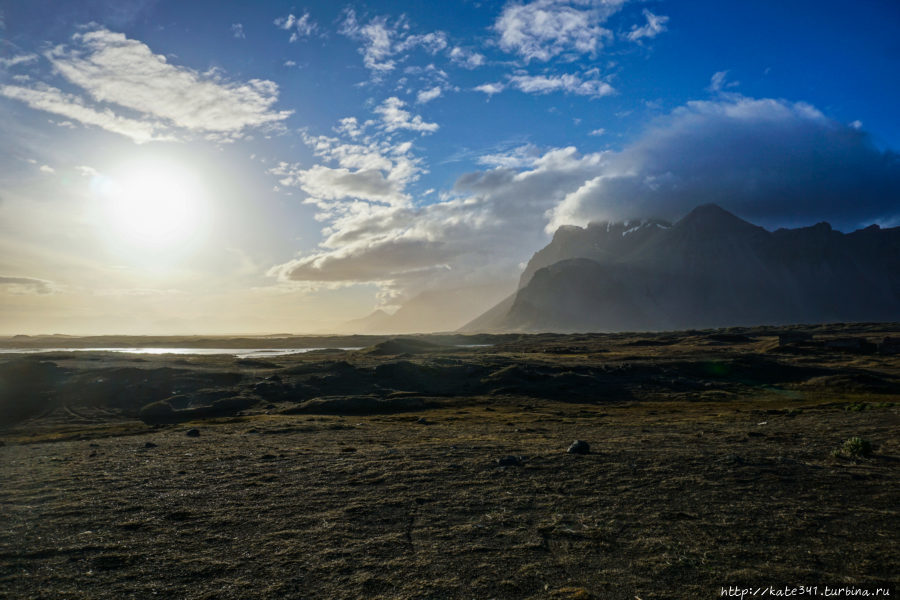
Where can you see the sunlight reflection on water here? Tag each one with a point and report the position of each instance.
(236, 352)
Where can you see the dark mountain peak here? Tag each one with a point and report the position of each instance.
(709, 213)
(713, 218)
(821, 230)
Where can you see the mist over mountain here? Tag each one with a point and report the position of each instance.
(709, 269)
(430, 311)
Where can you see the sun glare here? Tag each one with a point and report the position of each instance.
(153, 204)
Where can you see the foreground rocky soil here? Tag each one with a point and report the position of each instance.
(717, 459)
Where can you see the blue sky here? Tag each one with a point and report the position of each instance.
(237, 167)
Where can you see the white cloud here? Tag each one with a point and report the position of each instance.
(377, 38)
(719, 81)
(335, 184)
(47, 169)
(543, 29)
(394, 117)
(598, 132)
(53, 100)
(432, 42)
(373, 170)
(428, 95)
(857, 124)
(490, 88)
(466, 58)
(290, 63)
(407, 248)
(655, 25)
(237, 30)
(22, 59)
(385, 44)
(350, 127)
(300, 27)
(117, 70)
(517, 158)
(87, 171)
(571, 84)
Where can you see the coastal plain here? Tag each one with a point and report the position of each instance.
(437, 467)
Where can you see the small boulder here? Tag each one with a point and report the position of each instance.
(193, 432)
(149, 445)
(579, 447)
(423, 421)
(509, 461)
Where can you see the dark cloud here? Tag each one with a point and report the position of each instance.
(25, 285)
(770, 161)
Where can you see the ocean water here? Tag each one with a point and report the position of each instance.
(236, 352)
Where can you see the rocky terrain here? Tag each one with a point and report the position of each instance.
(419, 468)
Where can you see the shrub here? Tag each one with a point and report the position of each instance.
(855, 447)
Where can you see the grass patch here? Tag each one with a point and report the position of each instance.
(854, 447)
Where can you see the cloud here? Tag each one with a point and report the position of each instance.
(490, 88)
(374, 169)
(47, 169)
(116, 70)
(517, 158)
(568, 83)
(542, 29)
(334, 184)
(597, 132)
(771, 161)
(87, 171)
(428, 95)
(432, 42)
(466, 58)
(22, 59)
(53, 100)
(377, 38)
(26, 286)
(300, 27)
(384, 43)
(376, 260)
(406, 249)
(237, 30)
(394, 117)
(719, 81)
(656, 24)
(350, 126)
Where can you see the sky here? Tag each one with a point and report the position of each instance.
(222, 167)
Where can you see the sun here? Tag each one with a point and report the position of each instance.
(153, 203)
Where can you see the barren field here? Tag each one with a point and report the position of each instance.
(419, 469)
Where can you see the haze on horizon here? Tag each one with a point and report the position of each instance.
(193, 168)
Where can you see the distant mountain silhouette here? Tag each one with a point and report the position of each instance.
(710, 269)
(431, 311)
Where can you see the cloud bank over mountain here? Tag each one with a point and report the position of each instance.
(773, 161)
(777, 162)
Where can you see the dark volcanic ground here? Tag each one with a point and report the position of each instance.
(715, 461)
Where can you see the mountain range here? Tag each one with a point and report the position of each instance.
(709, 269)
